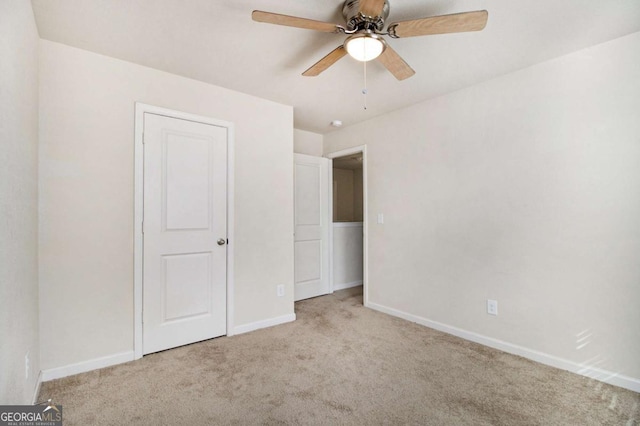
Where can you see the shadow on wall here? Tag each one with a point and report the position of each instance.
(347, 188)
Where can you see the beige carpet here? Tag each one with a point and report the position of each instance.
(339, 363)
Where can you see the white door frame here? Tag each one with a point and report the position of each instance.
(365, 229)
(138, 247)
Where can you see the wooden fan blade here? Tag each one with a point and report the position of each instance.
(293, 21)
(395, 64)
(326, 62)
(371, 8)
(455, 23)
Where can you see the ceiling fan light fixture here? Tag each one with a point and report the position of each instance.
(364, 47)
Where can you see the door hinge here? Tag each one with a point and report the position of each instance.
(143, 138)
(143, 226)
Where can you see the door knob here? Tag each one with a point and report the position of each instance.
(221, 241)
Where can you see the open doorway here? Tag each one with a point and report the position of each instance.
(348, 220)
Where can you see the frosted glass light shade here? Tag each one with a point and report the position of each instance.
(364, 47)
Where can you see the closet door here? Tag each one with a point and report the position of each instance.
(311, 242)
(185, 232)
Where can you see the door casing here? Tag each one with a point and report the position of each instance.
(140, 110)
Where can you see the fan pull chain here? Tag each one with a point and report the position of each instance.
(364, 91)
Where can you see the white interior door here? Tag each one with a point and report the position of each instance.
(185, 231)
(311, 246)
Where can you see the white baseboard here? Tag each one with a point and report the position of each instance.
(609, 377)
(37, 389)
(119, 358)
(342, 286)
(84, 366)
(264, 323)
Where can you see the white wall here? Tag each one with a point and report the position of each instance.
(86, 197)
(347, 255)
(524, 189)
(18, 202)
(307, 143)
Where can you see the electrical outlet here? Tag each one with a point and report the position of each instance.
(492, 307)
(26, 366)
(381, 218)
(280, 290)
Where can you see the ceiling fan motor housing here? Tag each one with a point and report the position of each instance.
(357, 21)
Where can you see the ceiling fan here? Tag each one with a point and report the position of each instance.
(365, 20)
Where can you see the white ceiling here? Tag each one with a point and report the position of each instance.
(216, 41)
